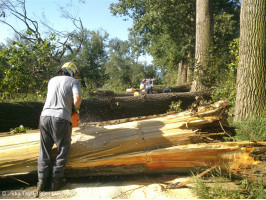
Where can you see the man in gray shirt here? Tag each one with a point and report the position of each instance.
(63, 95)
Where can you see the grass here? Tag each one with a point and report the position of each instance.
(20, 129)
(22, 98)
(253, 128)
(219, 185)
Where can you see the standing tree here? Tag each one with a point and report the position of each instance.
(118, 67)
(18, 10)
(91, 58)
(204, 35)
(166, 30)
(251, 74)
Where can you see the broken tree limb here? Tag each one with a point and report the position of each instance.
(178, 159)
(150, 145)
(179, 185)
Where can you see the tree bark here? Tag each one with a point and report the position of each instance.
(182, 73)
(251, 72)
(13, 115)
(204, 35)
(102, 109)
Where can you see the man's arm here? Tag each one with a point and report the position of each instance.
(77, 100)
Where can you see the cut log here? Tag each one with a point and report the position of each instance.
(138, 145)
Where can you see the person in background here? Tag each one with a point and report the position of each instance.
(142, 86)
(149, 86)
(63, 96)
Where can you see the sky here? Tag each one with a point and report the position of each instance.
(95, 15)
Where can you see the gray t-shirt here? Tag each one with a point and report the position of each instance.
(59, 101)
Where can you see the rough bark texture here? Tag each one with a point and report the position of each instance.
(251, 72)
(181, 88)
(182, 73)
(99, 109)
(102, 109)
(13, 115)
(204, 35)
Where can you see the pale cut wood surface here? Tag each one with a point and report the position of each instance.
(138, 145)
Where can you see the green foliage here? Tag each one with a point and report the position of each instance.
(20, 129)
(138, 73)
(118, 67)
(170, 77)
(26, 67)
(165, 29)
(216, 192)
(215, 186)
(121, 69)
(253, 128)
(252, 190)
(226, 86)
(20, 97)
(91, 60)
(175, 106)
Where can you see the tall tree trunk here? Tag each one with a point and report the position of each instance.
(190, 67)
(251, 73)
(182, 73)
(204, 35)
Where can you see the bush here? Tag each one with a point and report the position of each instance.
(20, 129)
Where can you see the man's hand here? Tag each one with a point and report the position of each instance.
(77, 100)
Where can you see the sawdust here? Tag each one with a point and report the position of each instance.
(129, 187)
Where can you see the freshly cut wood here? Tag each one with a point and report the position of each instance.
(137, 145)
(179, 159)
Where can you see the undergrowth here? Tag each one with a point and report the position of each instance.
(175, 106)
(220, 187)
(21, 97)
(253, 128)
(20, 129)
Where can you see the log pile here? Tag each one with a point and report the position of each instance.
(176, 142)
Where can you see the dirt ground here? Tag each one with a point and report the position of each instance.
(125, 187)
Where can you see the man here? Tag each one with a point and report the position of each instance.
(63, 96)
(149, 85)
(142, 86)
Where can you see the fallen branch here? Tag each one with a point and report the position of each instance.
(179, 185)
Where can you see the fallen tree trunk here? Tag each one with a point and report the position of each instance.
(13, 115)
(103, 109)
(180, 88)
(138, 145)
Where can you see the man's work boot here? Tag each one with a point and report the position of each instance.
(41, 186)
(58, 183)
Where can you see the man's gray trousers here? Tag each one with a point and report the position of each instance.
(58, 131)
